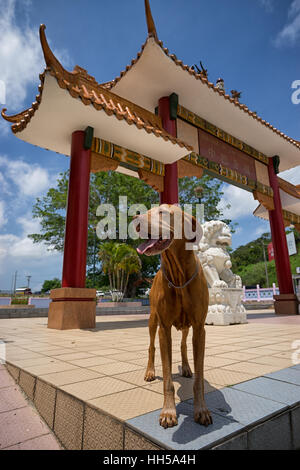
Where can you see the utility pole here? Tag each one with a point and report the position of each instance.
(15, 281)
(28, 280)
(265, 260)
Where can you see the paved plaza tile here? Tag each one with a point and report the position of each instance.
(104, 369)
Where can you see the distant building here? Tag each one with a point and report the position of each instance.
(23, 291)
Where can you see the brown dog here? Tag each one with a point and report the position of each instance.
(178, 297)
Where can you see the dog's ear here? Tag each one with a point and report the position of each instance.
(192, 229)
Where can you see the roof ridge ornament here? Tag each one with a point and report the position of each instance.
(203, 71)
(236, 95)
(13, 118)
(50, 59)
(150, 22)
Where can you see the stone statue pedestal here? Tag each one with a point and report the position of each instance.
(225, 306)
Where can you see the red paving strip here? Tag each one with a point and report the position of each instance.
(21, 428)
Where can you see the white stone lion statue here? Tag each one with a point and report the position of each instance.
(214, 256)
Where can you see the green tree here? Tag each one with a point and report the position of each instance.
(251, 253)
(51, 284)
(248, 261)
(211, 195)
(106, 187)
(119, 261)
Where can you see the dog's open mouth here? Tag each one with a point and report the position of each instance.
(154, 246)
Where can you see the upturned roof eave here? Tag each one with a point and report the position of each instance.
(81, 85)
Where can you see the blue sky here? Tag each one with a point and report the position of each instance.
(254, 45)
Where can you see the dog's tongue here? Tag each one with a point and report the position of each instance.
(143, 247)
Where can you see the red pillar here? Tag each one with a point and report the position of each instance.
(286, 301)
(74, 264)
(170, 193)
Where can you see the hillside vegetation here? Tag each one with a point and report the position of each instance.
(248, 262)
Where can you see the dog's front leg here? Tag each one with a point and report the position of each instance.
(186, 370)
(201, 413)
(168, 416)
(150, 371)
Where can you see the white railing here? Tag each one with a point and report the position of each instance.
(260, 294)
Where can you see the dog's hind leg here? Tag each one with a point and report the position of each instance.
(150, 371)
(167, 416)
(186, 370)
(201, 413)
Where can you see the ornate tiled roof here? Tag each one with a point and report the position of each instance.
(198, 76)
(83, 86)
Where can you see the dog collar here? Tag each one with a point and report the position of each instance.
(170, 283)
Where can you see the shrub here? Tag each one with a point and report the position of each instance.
(19, 301)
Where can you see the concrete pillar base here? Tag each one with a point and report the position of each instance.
(72, 308)
(286, 304)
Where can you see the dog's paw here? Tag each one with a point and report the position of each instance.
(149, 375)
(186, 371)
(203, 416)
(168, 418)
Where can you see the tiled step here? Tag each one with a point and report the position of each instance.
(76, 423)
(23, 312)
(122, 310)
(263, 413)
(260, 414)
(6, 313)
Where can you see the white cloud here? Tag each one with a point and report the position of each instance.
(265, 228)
(3, 219)
(241, 201)
(25, 248)
(21, 55)
(4, 128)
(30, 179)
(291, 31)
(294, 8)
(267, 4)
(19, 253)
(4, 185)
(28, 224)
(21, 182)
(21, 246)
(5, 242)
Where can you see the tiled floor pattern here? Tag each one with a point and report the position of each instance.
(110, 360)
(104, 367)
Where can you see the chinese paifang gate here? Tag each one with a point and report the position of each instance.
(160, 120)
